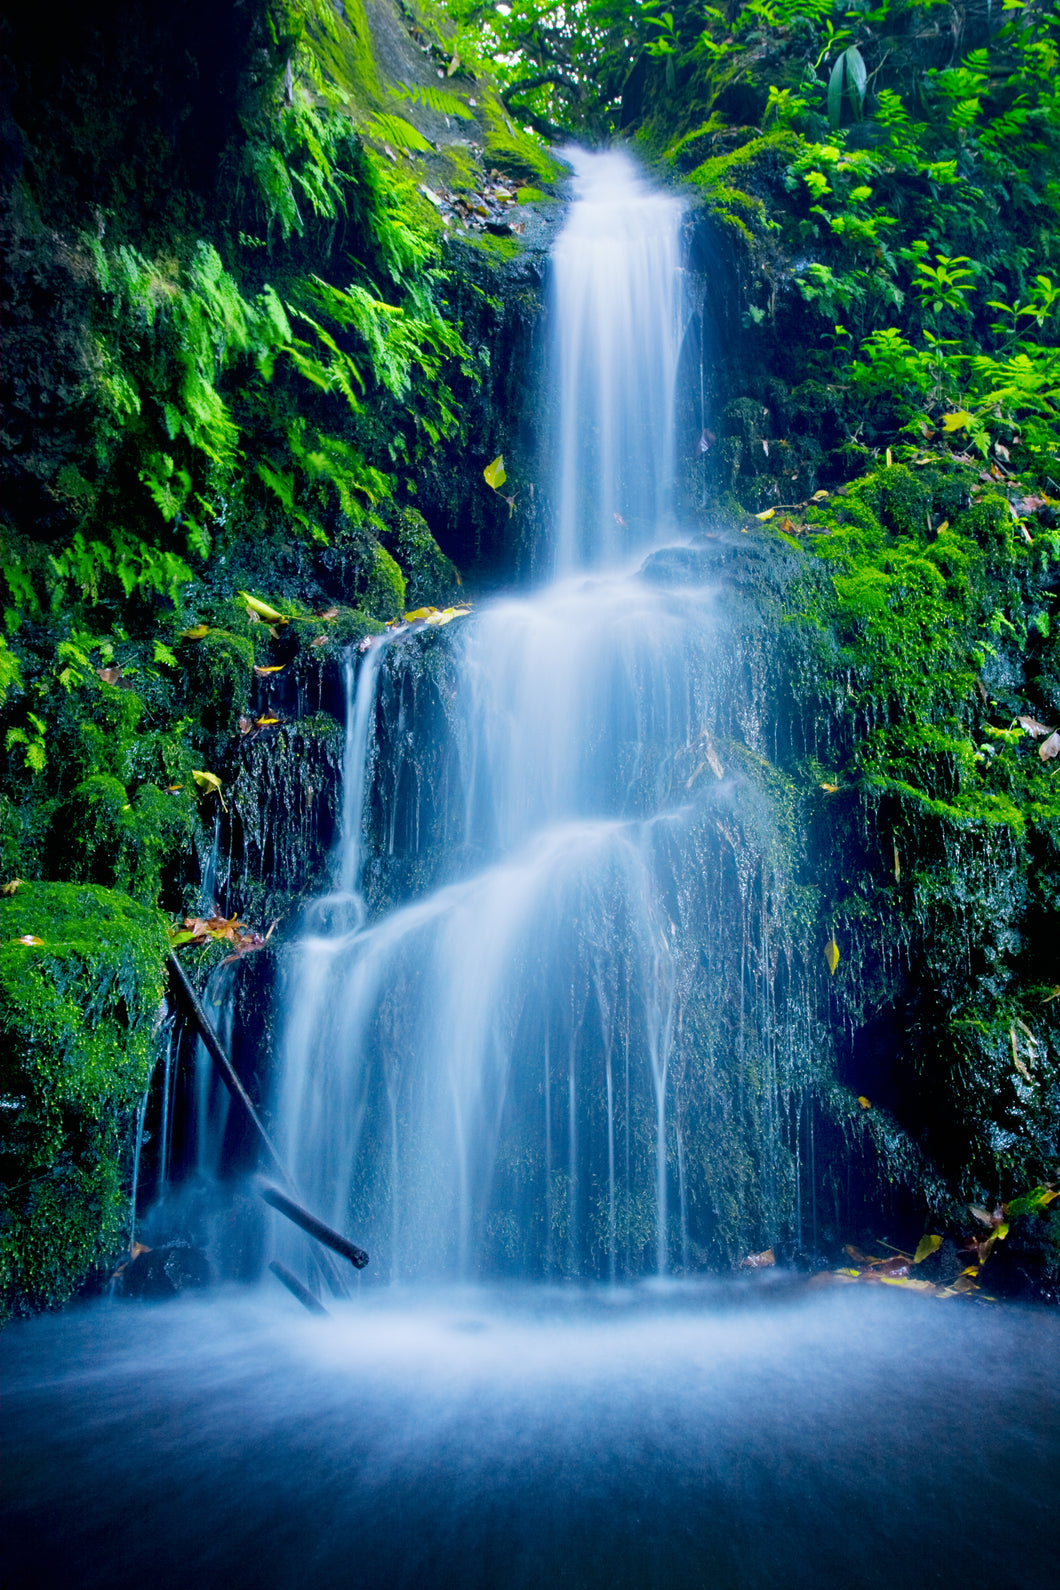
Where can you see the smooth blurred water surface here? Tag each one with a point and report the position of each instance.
(670, 1435)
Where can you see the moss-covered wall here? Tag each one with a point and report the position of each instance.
(82, 974)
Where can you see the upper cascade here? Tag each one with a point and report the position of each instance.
(616, 315)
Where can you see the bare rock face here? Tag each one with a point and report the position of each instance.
(159, 1273)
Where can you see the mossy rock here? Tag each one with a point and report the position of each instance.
(384, 594)
(432, 579)
(128, 842)
(220, 674)
(82, 973)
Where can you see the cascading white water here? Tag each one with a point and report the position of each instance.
(615, 331)
(451, 1081)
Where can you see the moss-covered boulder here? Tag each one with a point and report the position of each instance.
(81, 981)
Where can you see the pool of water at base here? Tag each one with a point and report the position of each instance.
(717, 1436)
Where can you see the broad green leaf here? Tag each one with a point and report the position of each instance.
(835, 93)
(857, 77)
(956, 421)
(493, 474)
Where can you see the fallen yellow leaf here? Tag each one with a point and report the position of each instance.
(926, 1247)
(262, 609)
(831, 954)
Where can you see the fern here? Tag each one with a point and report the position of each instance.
(399, 132)
(436, 99)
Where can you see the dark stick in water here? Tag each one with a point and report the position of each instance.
(316, 1228)
(187, 997)
(296, 1289)
(190, 1000)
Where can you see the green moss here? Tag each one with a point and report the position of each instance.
(512, 150)
(219, 673)
(384, 595)
(76, 1050)
(127, 843)
(432, 579)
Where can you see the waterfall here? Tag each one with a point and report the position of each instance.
(615, 326)
(480, 1078)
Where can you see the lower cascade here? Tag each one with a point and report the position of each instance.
(548, 1052)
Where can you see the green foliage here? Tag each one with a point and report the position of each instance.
(76, 1023)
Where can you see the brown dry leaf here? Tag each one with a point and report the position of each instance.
(1054, 994)
(759, 1261)
(318, 640)
(245, 723)
(1050, 747)
(1032, 727)
(331, 613)
(12, 887)
(109, 676)
(897, 866)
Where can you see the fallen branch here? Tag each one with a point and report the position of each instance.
(187, 996)
(316, 1228)
(296, 1289)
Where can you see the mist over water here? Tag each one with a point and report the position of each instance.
(687, 1439)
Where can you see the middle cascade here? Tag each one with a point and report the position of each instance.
(479, 1081)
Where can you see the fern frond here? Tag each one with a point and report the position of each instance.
(436, 99)
(399, 132)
